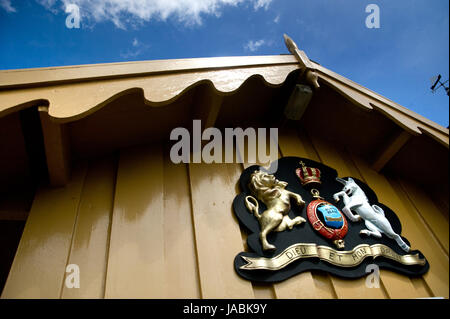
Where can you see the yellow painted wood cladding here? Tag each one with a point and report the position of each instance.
(136, 225)
(139, 226)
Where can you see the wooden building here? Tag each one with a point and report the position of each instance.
(85, 168)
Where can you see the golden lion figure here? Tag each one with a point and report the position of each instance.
(273, 194)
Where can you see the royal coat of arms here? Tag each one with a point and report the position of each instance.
(304, 217)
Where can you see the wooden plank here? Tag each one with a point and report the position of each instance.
(396, 286)
(263, 290)
(345, 288)
(393, 285)
(260, 290)
(13, 215)
(421, 287)
(207, 104)
(90, 242)
(308, 285)
(136, 253)
(218, 238)
(413, 228)
(430, 213)
(403, 116)
(107, 71)
(392, 148)
(40, 263)
(440, 195)
(152, 252)
(182, 275)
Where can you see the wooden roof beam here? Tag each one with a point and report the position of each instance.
(57, 148)
(390, 150)
(207, 105)
(13, 215)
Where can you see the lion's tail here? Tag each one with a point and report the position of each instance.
(252, 207)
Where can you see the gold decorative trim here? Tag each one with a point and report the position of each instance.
(350, 258)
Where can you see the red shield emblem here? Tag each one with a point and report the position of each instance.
(332, 226)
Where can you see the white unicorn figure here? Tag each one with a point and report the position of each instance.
(373, 216)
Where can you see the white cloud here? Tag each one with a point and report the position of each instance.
(50, 5)
(262, 4)
(277, 19)
(126, 12)
(130, 54)
(137, 49)
(253, 46)
(6, 4)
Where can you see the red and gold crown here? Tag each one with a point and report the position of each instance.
(308, 175)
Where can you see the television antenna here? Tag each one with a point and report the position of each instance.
(435, 80)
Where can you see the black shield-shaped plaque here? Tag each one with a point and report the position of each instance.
(303, 248)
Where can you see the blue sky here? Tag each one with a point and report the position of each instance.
(396, 60)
